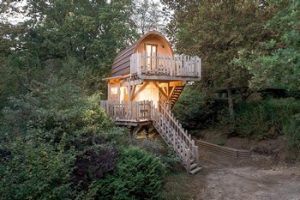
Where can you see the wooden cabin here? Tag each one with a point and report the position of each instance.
(146, 80)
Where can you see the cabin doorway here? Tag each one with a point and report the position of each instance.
(151, 56)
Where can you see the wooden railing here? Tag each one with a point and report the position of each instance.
(178, 66)
(134, 111)
(165, 123)
(175, 136)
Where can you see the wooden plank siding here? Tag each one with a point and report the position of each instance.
(121, 64)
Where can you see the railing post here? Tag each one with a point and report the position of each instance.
(174, 140)
(138, 64)
(196, 154)
(187, 160)
(199, 67)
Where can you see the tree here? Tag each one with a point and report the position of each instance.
(217, 31)
(147, 16)
(275, 62)
(76, 38)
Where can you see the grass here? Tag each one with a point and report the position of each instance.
(182, 186)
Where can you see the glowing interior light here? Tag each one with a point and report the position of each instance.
(114, 90)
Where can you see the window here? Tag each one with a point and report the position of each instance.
(151, 54)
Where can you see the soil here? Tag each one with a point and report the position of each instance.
(264, 176)
(277, 183)
(255, 180)
(274, 147)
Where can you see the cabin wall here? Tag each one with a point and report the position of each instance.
(163, 47)
(121, 65)
(149, 92)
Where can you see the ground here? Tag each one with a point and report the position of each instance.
(217, 182)
(259, 178)
(278, 183)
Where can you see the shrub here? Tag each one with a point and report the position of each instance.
(265, 119)
(47, 109)
(36, 172)
(196, 110)
(49, 137)
(93, 164)
(159, 148)
(139, 175)
(292, 131)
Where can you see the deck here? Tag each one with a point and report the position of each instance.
(133, 112)
(178, 67)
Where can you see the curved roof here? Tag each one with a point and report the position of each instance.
(121, 64)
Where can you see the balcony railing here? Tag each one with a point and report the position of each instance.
(135, 111)
(175, 67)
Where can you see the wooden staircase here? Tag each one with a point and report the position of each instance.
(176, 137)
(175, 95)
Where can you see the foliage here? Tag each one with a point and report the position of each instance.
(217, 31)
(35, 171)
(56, 108)
(147, 16)
(158, 148)
(292, 130)
(138, 176)
(196, 110)
(265, 119)
(74, 39)
(93, 163)
(276, 62)
(46, 136)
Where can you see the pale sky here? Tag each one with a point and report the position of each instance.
(15, 18)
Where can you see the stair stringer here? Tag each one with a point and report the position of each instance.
(175, 95)
(176, 137)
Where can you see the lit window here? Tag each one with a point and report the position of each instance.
(114, 90)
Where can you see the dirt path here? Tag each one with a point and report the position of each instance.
(255, 179)
(280, 183)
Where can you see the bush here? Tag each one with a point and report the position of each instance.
(265, 119)
(159, 148)
(93, 164)
(47, 135)
(292, 131)
(55, 108)
(196, 110)
(36, 172)
(139, 175)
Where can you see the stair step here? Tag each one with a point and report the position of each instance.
(193, 166)
(194, 171)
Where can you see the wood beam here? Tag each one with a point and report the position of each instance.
(140, 89)
(156, 84)
(171, 92)
(132, 92)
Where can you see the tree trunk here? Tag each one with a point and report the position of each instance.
(230, 105)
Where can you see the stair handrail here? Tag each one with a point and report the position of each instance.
(191, 148)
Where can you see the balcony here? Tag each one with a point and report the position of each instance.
(178, 67)
(124, 113)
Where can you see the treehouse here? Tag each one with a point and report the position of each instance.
(146, 81)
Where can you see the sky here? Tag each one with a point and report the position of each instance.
(15, 18)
